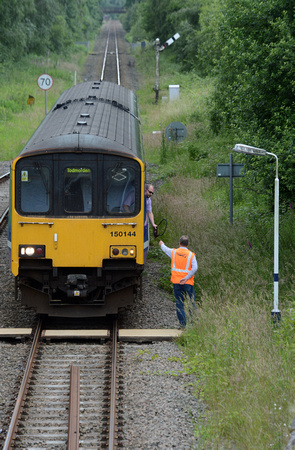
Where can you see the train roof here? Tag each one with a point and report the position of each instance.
(92, 116)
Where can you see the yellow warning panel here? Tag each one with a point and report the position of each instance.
(31, 100)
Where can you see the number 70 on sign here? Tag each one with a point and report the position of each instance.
(45, 82)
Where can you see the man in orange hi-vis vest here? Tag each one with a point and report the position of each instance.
(183, 267)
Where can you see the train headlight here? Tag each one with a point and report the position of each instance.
(122, 251)
(29, 251)
(32, 251)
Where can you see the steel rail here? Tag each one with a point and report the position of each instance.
(3, 217)
(105, 56)
(113, 401)
(4, 176)
(23, 390)
(117, 60)
(117, 57)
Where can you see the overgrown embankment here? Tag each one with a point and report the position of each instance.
(244, 365)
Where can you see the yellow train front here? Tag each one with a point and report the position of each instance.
(77, 233)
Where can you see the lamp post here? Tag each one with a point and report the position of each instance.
(246, 149)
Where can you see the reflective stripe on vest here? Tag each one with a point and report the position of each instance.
(184, 265)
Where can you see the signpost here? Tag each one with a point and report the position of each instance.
(45, 82)
(159, 48)
(230, 170)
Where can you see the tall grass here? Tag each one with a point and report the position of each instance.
(241, 374)
(243, 364)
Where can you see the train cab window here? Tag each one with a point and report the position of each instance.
(78, 190)
(34, 189)
(121, 191)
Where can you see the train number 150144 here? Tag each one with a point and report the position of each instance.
(123, 233)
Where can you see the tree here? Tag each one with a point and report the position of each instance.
(16, 28)
(36, 26)
(158, 18)
(195, 22)
(43, 16)
(255, 92)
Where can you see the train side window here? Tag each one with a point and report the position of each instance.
(35, 188)
(120, 186)
(78, 190)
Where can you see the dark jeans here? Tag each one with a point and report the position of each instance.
(180, 292)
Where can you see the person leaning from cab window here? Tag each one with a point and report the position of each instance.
(129, 201)
(149, 191)
(183, 268)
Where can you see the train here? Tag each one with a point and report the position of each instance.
(75, 251)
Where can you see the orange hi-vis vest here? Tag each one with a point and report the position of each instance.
(181, 264)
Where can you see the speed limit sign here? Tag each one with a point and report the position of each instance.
(45, 82)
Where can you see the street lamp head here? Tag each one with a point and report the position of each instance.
(248, 150)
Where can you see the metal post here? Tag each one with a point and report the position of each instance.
(249, 150)
(231, 188)
(276, 314)
(156, 87)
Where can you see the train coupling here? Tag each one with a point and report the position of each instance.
(77, 285)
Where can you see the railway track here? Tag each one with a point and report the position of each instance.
(68, 395)
(111, 63)
(4, 181)
(110, 59)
